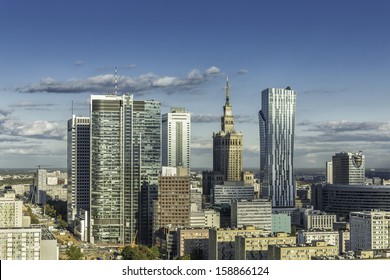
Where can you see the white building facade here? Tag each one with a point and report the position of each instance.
(370, 230)
(256, 212)
(277, 128)
(176, 136)
(10, 212)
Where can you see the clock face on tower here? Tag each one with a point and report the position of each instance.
(228, 113)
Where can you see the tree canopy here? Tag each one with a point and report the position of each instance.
(74, 253)
(139, 252)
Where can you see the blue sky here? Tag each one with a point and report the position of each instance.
(335, 54)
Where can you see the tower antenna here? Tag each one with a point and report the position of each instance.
(116, 81)
(227, 90)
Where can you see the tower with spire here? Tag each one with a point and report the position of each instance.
(227, 145)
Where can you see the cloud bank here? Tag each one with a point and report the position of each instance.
(140, 84)
(39, 129)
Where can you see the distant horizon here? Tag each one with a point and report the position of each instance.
(195, 168)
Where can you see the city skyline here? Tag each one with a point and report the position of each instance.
(334, 55)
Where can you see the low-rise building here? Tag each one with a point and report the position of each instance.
(256, 248)
(205, 218)
(256, 212)
(27, 244)
(370, 230)
(193, 241)
(344, 241)
(301, 251)
(281, 222)
(222, 241)
(331, 237)
(224, 194)
(315, 219)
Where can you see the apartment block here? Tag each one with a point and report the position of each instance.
(315, 219)
(370, 230)
(301, 251)
(256, 248)
(331, 237)
(222, 241)
(193, 241)
(256, 212)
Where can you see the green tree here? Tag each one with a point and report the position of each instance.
(74, 253)
(155, 251)
(185, 257)
(50, 211)
(139, 252)
(34, 218)
(59, 207)
(62, 223)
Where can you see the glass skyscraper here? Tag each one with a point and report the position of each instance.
(125, 152)
(277, 124)
(78, 166)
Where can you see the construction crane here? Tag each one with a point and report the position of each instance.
(42, 165)
(132, 244)
(135, 237)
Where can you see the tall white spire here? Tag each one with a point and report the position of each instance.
(227, 90)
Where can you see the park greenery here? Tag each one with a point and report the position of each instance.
(74, 253)
(140, 252)
(34, 218)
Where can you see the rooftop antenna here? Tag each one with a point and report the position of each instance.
(116, 81)
(227, 90)
(72, 107)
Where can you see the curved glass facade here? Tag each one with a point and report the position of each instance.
(277, 125)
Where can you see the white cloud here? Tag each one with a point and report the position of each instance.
(106, 83)
(42, 129)
(213, 70)
(242, 71)
(9, 126)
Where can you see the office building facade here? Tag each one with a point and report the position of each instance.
(329, 172)
(348, 169)
(147, 196)
(125, 153)
(256, 212)
(174, 194)
(343, 199)
(370, 230)
(78, 166)
(176, 136)
(224, 194)
(205, 218)
(315, 219)
(277, 127)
